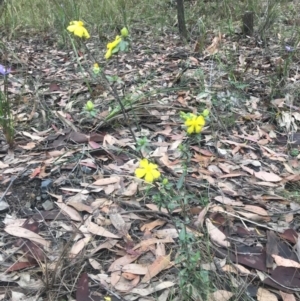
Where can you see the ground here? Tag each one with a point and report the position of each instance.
(222, 220)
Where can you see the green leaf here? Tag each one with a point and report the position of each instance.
(180, 181)
(182, 234)
(116, 49)
(123, 45)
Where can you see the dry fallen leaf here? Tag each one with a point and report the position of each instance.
(107, 181)
(287, 297)
(265, 295)
(216, 235)
(144, 245)
(131, 189)
(201, 216)
(228, 201)
(214, 47)
(152, 288)
(98, 230)
(157, 266)
(71, 212)
(119, 223)
(135, 268)
(118, 264)
(256, 209)
(150, 226)
(24, 233)
(220, 295)
(280, 261)
(267, 176)
(236, 269)
(78, 246)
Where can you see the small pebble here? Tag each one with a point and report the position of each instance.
(46, 185)
(86, 169)
(48, 205)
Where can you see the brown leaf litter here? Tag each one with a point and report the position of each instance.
(102, 229)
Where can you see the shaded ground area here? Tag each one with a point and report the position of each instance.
(76, 215)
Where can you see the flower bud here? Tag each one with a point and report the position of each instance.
(165, 181)
(205, 113)
(96, 68)
(124, 32)
(89, 106)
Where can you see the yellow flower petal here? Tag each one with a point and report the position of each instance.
(149, 177)
(71, 28)
(155, 174)
(140, 172)
(200, 120)
(152, 166)
(188, 122)
(190, 130)
(198, 129)
(114, 44)
(108, 54)
(86, 34)
(144, 163)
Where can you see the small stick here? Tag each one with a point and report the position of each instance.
(5, 192)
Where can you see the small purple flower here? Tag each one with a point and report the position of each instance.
(289, 48)
(4, 70)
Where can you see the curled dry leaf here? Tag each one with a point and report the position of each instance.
(216, 235)
(201, 216)
(214, 47)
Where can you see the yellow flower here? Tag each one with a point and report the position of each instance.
(111, 46)
(147, 170)
(124, 32)
(78, 29)
(115, 43)
(195, 124)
